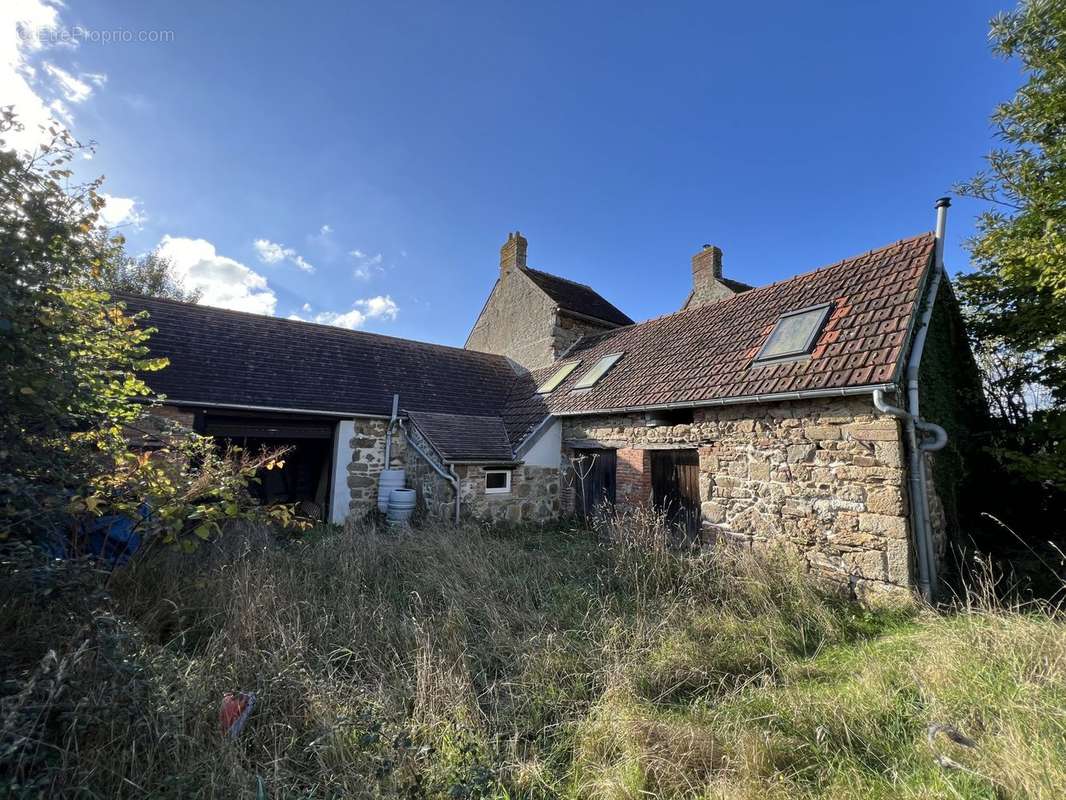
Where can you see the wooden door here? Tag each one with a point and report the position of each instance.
(675, 488)
(597, 488)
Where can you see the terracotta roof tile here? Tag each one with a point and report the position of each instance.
(706, 353)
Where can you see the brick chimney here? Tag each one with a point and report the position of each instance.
(708, 286)
(513, 252)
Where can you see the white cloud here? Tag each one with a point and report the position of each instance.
(41, 97)
(74, 90)
(326, 230)
(271, 253)
(19, 21)
(121, 211)
(381, 307)
(366, 266)
(225, 282)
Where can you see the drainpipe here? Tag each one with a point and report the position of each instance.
(388, 431)
(451, 475)
(918, 504)
(912, 423)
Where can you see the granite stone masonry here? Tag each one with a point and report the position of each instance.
(823, 479)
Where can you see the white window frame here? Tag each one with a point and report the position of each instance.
(506, 488)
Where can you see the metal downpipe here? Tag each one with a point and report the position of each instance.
(388, 430)
(917, 493)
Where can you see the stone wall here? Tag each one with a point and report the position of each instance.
(368, 459)
(518, 321)
(534, 495)
(436, 495)
(569, 329)
(824, 479)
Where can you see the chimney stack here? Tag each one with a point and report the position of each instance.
(706, 265)
(513, 252)
(708, 285)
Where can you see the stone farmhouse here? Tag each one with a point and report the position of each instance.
(829, 413)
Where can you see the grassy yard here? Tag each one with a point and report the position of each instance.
(512, 664)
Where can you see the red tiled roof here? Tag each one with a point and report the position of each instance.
(705, 354)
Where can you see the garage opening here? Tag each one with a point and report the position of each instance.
(305, 477)
(675, 489)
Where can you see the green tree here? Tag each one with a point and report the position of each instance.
(151, 275)
(69, 356)
(1015, 299)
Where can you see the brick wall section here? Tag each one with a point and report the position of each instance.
(824, 479)
(633, 476)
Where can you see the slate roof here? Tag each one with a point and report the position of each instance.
(234, 358)
(705, 353)
(463, 438)
(577, 297)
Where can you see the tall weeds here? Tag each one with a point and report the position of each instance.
(525, 663)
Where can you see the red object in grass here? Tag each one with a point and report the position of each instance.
(236, 708)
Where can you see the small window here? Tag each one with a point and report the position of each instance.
(559, 376)
(599, 369)
(795, 333)
(497, 481)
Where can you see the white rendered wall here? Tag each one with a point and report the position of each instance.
(341, 495)
(547, 450)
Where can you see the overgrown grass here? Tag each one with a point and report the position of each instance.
(522, 663)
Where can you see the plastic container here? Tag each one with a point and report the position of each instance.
(401, 506)
(390, 479)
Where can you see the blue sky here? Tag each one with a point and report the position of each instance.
(617, 139)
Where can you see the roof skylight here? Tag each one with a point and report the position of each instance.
(559, 376)
(599, 369)
(795, 333)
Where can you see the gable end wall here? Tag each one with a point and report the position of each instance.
(518, 321)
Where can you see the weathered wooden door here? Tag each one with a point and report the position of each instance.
(596, 481)
(675, 488)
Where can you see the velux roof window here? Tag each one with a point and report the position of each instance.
(599, 369)
(559, 376)
(795, 333)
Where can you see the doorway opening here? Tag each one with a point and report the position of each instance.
(304, 478)
(596, 481)
(675, 489)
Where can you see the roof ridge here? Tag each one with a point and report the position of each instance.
(497, 417)
(561, 278)
(756, 289)
(319, 325)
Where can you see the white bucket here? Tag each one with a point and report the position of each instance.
(390, 479)
(401, 506)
